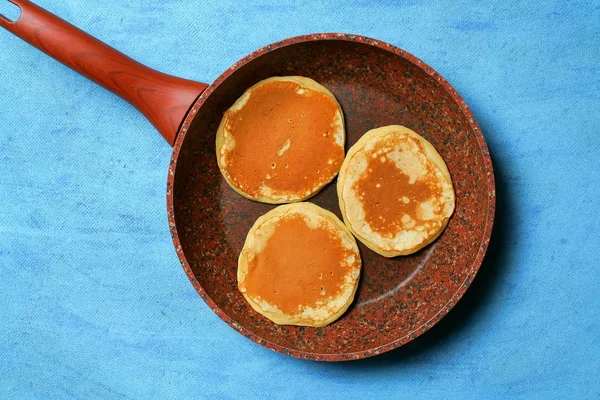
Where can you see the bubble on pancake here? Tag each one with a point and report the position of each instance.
(284, 148)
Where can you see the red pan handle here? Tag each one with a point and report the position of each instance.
(164, 99)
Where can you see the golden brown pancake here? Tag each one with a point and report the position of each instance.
(282, 141)
(395, 191)
(299, 266)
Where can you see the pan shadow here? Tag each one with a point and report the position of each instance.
(477, 297)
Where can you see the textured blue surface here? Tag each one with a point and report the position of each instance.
(94, 303)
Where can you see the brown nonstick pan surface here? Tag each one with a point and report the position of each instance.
(376, 84)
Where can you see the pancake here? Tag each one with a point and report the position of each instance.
(395, 191)
(299, 266)
(282, 141)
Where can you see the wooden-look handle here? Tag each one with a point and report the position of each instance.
(163, 99)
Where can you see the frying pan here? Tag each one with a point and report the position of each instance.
(377, 84)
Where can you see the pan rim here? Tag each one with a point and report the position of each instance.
(472, 269)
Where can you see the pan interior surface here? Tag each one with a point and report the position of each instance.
(397, 298)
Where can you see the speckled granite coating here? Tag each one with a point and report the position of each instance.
(376, 84)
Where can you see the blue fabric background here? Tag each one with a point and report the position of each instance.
(94, 303)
